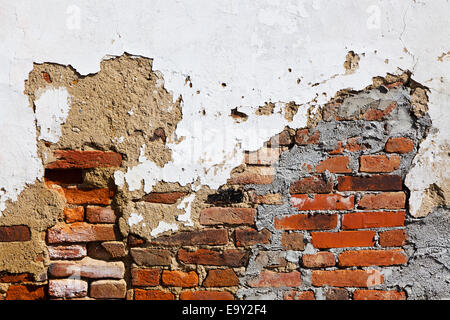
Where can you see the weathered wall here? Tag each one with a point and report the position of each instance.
(147, 143)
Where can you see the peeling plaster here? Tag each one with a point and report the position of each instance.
(52, 109)
(250, 47)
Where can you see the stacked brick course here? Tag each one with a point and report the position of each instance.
(85, 249)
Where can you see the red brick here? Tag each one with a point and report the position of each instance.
(272, 279)
(337, 164)
(141, 294)
(304, 137)
(392, 238)
(292, 241)
(135, 240)
(394, 84)
(347, 278)
(304, 202)
(100, 214)
(399, 145)
(352, 145)
(108, 289)
(221, 278)
(299, 295)
(306, 222)
(74, 214)
(378, 163)
(230, 257)
(378, 295)
(93, 196)
(81, 232)
(46, 77)
(387, 200)
(25, 292)
(84, 159)
(373, 114)
(164, 197)
(250, 237)
(366, 258)
(380, 182)
(318, 260)
(206, 295)
(179, 279)
(16, 278)
(15, 233)
(201, 237)
(379, 219)
(145, 277)
(315, 184)
(67, 252)
(235, 216)
(253, 175)
(338, 149)
(325, 240)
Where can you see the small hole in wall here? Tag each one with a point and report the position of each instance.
(289, 69)
(224, 84)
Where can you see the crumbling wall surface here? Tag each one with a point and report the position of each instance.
(426, 276)
(317, 212)
(271, 155)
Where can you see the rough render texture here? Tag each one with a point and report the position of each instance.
(251, 238)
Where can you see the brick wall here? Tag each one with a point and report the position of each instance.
(316, 213)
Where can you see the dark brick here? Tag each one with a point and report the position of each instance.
(14, 233)
(64, 176)
(151, 257)
(231, 257)
(336, 294)
(224, 197)
(372, 183)
(250, 237)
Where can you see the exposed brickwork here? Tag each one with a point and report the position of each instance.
(399, 145)
(67, 159)
(221, 278)
(314, 235)
(318, 260)
(378, 295)
(307, 222)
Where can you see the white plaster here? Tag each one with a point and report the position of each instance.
(52, 109)
(186, 206)
(134, 218)
(249, 45)
(426, 171)
(163, 227)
